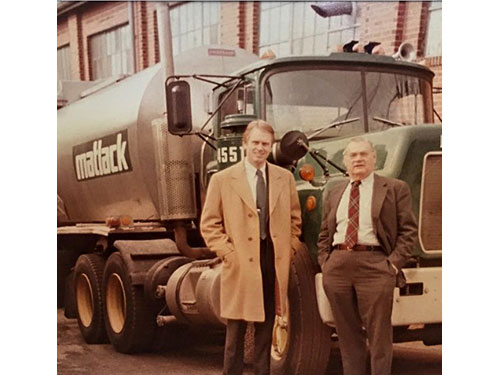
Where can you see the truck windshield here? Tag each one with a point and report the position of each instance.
(306, 100)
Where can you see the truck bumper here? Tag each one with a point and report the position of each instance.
(419, 302)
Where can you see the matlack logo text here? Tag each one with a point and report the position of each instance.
(102, 157)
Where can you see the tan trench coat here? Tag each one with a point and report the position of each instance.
(230, 227)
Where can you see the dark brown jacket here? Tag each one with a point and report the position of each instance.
(392, 216)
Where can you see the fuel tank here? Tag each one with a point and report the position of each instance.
(108, 143)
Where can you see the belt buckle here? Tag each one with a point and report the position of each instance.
(349, 248)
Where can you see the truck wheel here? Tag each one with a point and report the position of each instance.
(89, 298)
(301, 342)
(129, 322)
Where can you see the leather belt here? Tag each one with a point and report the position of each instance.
(358, 248)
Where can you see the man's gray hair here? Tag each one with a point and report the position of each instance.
(358, 140)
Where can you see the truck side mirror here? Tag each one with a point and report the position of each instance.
(179, 108)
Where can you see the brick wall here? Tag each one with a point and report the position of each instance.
(152, 35)
(141, 35)
(393, 23)
(381, 22)
(251, 30)
(229, 23)
(76, 47)
(62, 33)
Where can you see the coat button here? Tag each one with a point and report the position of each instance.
(250, 259)
(249, 238)
(249, 215)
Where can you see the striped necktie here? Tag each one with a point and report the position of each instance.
(351, 236)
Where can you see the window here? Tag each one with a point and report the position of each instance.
(293, 28)
(111, 53)
(63, 63)
(313, 98)
(194, 24)
(434, 41)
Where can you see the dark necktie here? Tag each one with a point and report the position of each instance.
(262, 204)
(351, 236)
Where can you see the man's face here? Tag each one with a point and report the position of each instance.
(258, 146)
(359, 160)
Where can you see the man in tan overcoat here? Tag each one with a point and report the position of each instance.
(251, 219)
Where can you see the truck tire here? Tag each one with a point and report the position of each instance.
(89, 298)
(303, 346)
(130, 323)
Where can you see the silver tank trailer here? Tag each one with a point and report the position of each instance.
(108, 142)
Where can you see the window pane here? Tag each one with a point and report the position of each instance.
(321, 24)
(264, 5)
(297, 24)
(357, 33)
(174, 21)
(284, 49)
(111, 53)
(274, 25)
(198, 24)
(183, 18)
(206, 13)
(190, 15)
(436, 5)
(184, 42)
(264, 28)
(63, 63)
(285, 23)
(308, 46)
(434, 41)
(214, 14)
(214, 34)
(308, 21)
(196, 15)
(334, 40)
(298, 19)
(175, 45)
(297, 47)
(347, 35)
(206, 35)
(198, 37)
(320, 44)
(335, 22)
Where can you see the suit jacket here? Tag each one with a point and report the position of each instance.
(392, 216)
(230, 227)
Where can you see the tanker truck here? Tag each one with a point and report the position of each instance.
(132, 181)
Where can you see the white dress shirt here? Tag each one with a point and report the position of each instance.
(251, 172)
(366, 234)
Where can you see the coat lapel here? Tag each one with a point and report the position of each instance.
(276, 185)
(239, 183)
(379, 192)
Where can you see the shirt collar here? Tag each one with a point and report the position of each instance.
(366, 181)
(251, 170)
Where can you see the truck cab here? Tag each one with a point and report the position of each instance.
(320, 103)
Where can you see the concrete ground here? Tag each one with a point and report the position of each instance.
(199, 354)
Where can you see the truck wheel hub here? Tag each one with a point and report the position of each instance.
(116, 303)
(84, 300)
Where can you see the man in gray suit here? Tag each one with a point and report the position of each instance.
(367, 234)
